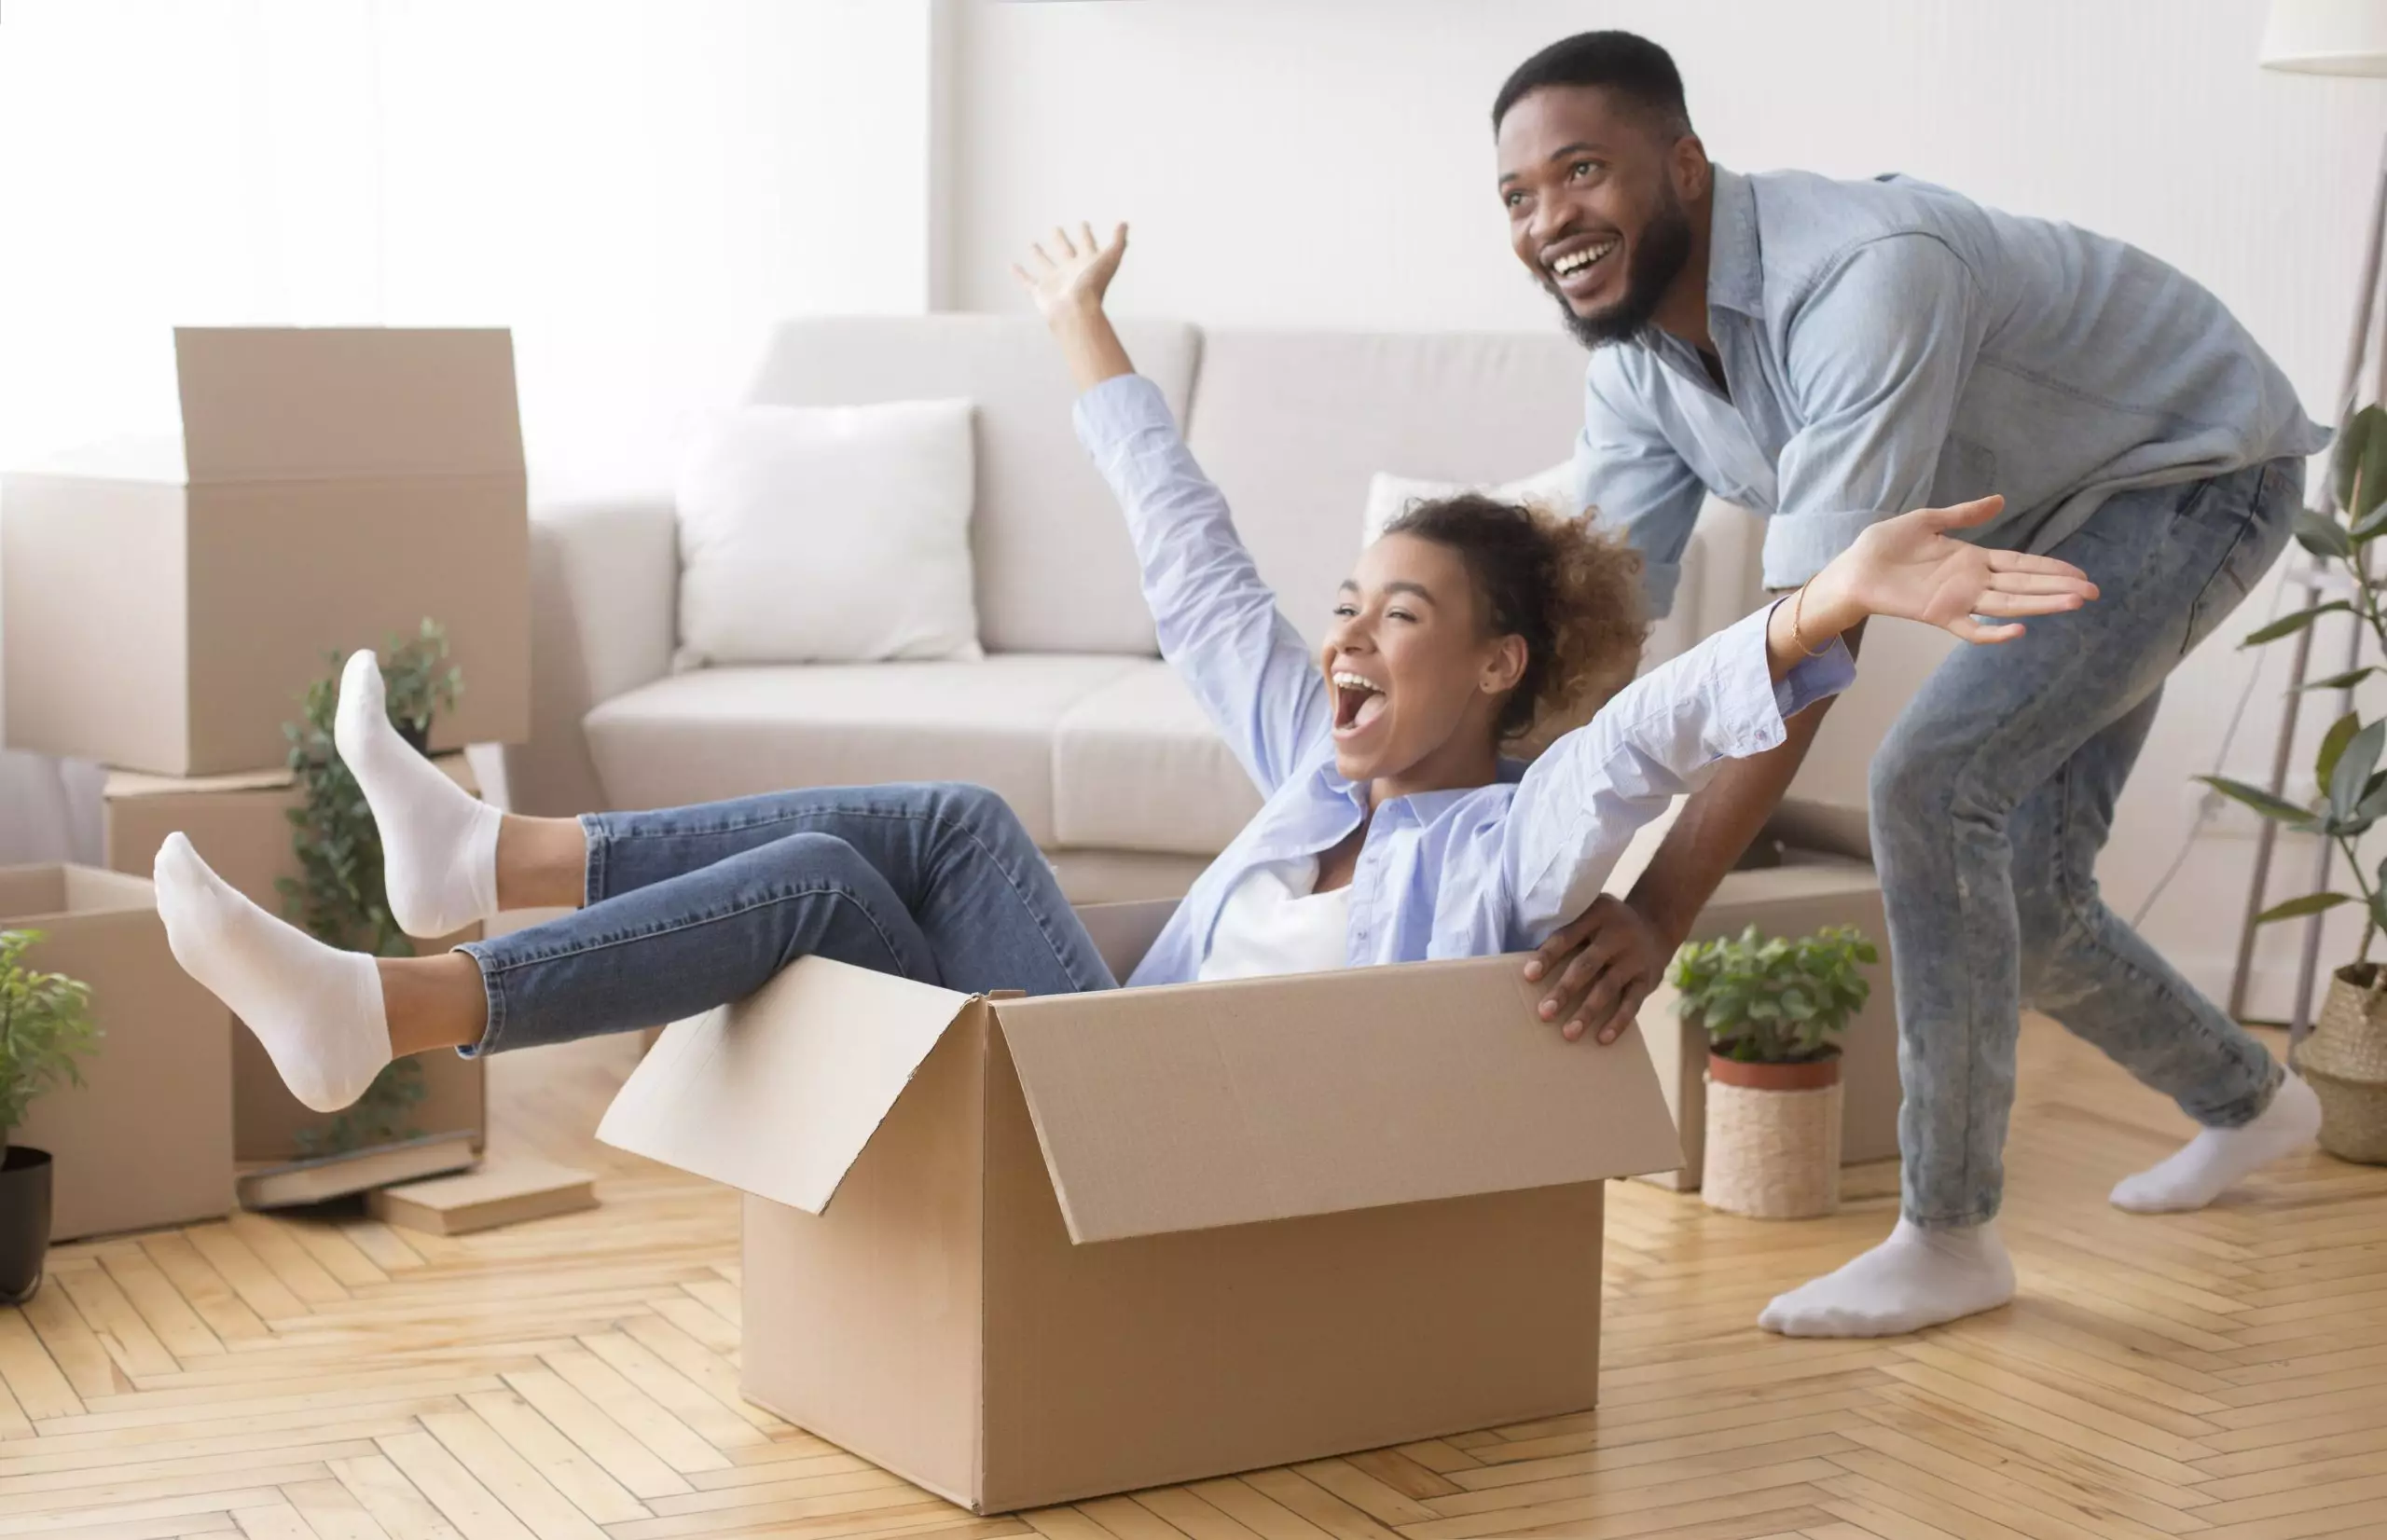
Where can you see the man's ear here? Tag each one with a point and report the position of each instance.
(1687, 164)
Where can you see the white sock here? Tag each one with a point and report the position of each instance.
(2219, 1157)
(316, 1009)
(1916, 1278)
(438, 841)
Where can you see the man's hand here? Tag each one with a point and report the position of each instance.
(1612, 958)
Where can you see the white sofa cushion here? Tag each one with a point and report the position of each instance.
(1137, 767)
(828, 534)
(720, 732)
(1055, 570)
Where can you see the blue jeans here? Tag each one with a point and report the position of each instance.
(692, 907)
(1992, 797)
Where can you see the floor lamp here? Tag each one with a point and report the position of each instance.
(2319, 38)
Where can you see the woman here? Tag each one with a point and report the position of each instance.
(1389, 834)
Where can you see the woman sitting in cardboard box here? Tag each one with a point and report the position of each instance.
(1390, 832)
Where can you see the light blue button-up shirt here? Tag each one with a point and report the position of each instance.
(1891, 345)
(1457, 873)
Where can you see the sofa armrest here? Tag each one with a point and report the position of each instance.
(604, 583)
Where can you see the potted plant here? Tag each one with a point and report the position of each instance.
(2345, 1058)
(1770, 1008)
(338, 896)
(45, 1028)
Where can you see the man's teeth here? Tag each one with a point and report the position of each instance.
(1577, 261)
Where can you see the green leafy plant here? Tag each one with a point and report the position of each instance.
(1769, 1000)
(2352, 787)
(339, 894)
(45, 1028)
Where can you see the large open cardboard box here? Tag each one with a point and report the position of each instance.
(167, 601)
(146, 1139)
(238, 825)
(1023, 1251)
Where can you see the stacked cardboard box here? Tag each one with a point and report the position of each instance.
(167, 603)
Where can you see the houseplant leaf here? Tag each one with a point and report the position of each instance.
(2323, 536)
(2358, 461)
(2311, 903)
(2351, 770)
(2333, 745)
(2342, 681)
(2262, 802)
(2289, 625)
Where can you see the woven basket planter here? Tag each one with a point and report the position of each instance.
(2345, 1063)
(1773, 1139)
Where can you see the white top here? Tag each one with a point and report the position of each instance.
(1274, 923)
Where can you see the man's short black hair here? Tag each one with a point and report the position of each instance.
(1630, 65)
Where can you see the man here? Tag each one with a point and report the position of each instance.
(1829, 354)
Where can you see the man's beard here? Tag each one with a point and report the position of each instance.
(1658, 258)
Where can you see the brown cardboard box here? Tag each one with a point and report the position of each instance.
(236, 824)
(1807, 892)
(1025, 1251)
(146, 1139)
(167, 603)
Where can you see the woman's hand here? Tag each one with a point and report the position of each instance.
(1076, 274)
(1911, 568)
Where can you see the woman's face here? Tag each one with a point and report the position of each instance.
(1415, 681)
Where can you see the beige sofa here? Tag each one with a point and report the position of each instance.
(1071, 715)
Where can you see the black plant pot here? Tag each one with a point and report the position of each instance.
(24, 1222)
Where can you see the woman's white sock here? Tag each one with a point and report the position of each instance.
(317, 1010)
(2219, 1157)
(1916, 1278)
(438, 841)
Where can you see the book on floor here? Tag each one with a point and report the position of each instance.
(322, 1177)
(502, 1189)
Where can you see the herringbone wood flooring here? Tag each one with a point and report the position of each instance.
(2223, 1375)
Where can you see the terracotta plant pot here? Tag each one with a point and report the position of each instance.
(1772, 1137)
(24, 1222)
(2345, 1063)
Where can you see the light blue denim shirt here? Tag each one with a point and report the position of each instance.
(1891, 345)
(1457, 873)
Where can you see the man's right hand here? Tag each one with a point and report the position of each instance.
(1600, 967)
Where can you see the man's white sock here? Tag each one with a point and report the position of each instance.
(317, 1010)
(438, 841)
(2219, 1157)
(1916, 1278)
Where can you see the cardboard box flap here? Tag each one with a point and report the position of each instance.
(285, 402)
(778, 1093)
(1196, 1105)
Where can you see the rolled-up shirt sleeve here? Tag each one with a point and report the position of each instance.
(1877, 352)
(1628, 477)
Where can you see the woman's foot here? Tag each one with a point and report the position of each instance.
(1916, 1278)
(438, 841)
(317, 1010)
(2216, 1158)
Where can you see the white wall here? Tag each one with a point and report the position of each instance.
(1331, 165)
(637, 190)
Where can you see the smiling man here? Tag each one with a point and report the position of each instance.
(1830, 354)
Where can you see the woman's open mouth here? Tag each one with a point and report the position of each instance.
(1359, 702)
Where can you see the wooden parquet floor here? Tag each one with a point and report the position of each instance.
(2221, 1375)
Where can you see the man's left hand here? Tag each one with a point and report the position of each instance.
(1612, 958)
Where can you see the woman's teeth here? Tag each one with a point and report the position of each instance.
(1574, 262)
(1358, 701)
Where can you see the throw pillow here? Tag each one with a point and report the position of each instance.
(828, 534)
(1389, 495)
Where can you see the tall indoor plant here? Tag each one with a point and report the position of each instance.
(339, 895)
(1772, 1008)
(45, 1030)
(2345, 1059)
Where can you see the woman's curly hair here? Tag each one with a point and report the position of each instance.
(1573, 592)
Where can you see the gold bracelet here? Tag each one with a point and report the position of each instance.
(1798, 613)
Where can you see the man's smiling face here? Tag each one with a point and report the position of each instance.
(1592, 183)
